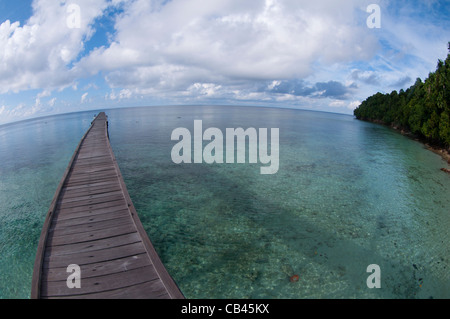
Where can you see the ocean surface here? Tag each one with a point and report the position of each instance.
(348, 194)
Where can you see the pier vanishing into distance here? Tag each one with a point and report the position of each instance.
(92, 224)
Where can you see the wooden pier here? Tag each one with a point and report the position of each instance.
(93, 224)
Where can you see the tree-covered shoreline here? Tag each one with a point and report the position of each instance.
(422, 111)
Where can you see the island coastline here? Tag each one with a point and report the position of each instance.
(441, 151)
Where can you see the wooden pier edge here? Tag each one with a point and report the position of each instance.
(37, 270)
(171, 287)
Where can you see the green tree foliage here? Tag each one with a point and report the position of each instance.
(423, 109)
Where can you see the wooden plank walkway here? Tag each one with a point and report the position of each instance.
(92, 223)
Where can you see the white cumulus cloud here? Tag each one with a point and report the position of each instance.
(173, 45)
(38, 54)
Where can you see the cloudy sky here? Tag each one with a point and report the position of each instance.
(65, 56)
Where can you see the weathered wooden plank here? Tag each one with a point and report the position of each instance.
(90, 202)
(91, 169)
(90, 257)
(106, 179)
(89, 185)
(94, 207)
(89, 191)
(92, 162)
(89, 227)
(86, 198)
(139, 291)
(87, 213)
(101, 268)
(80, 182)
(93, 235)
(106, 283)
(87, 219)
(90, 177)
(94, 245)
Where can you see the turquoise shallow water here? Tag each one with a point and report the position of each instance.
(348, 194)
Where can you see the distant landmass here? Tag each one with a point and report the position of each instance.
(422, 111)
